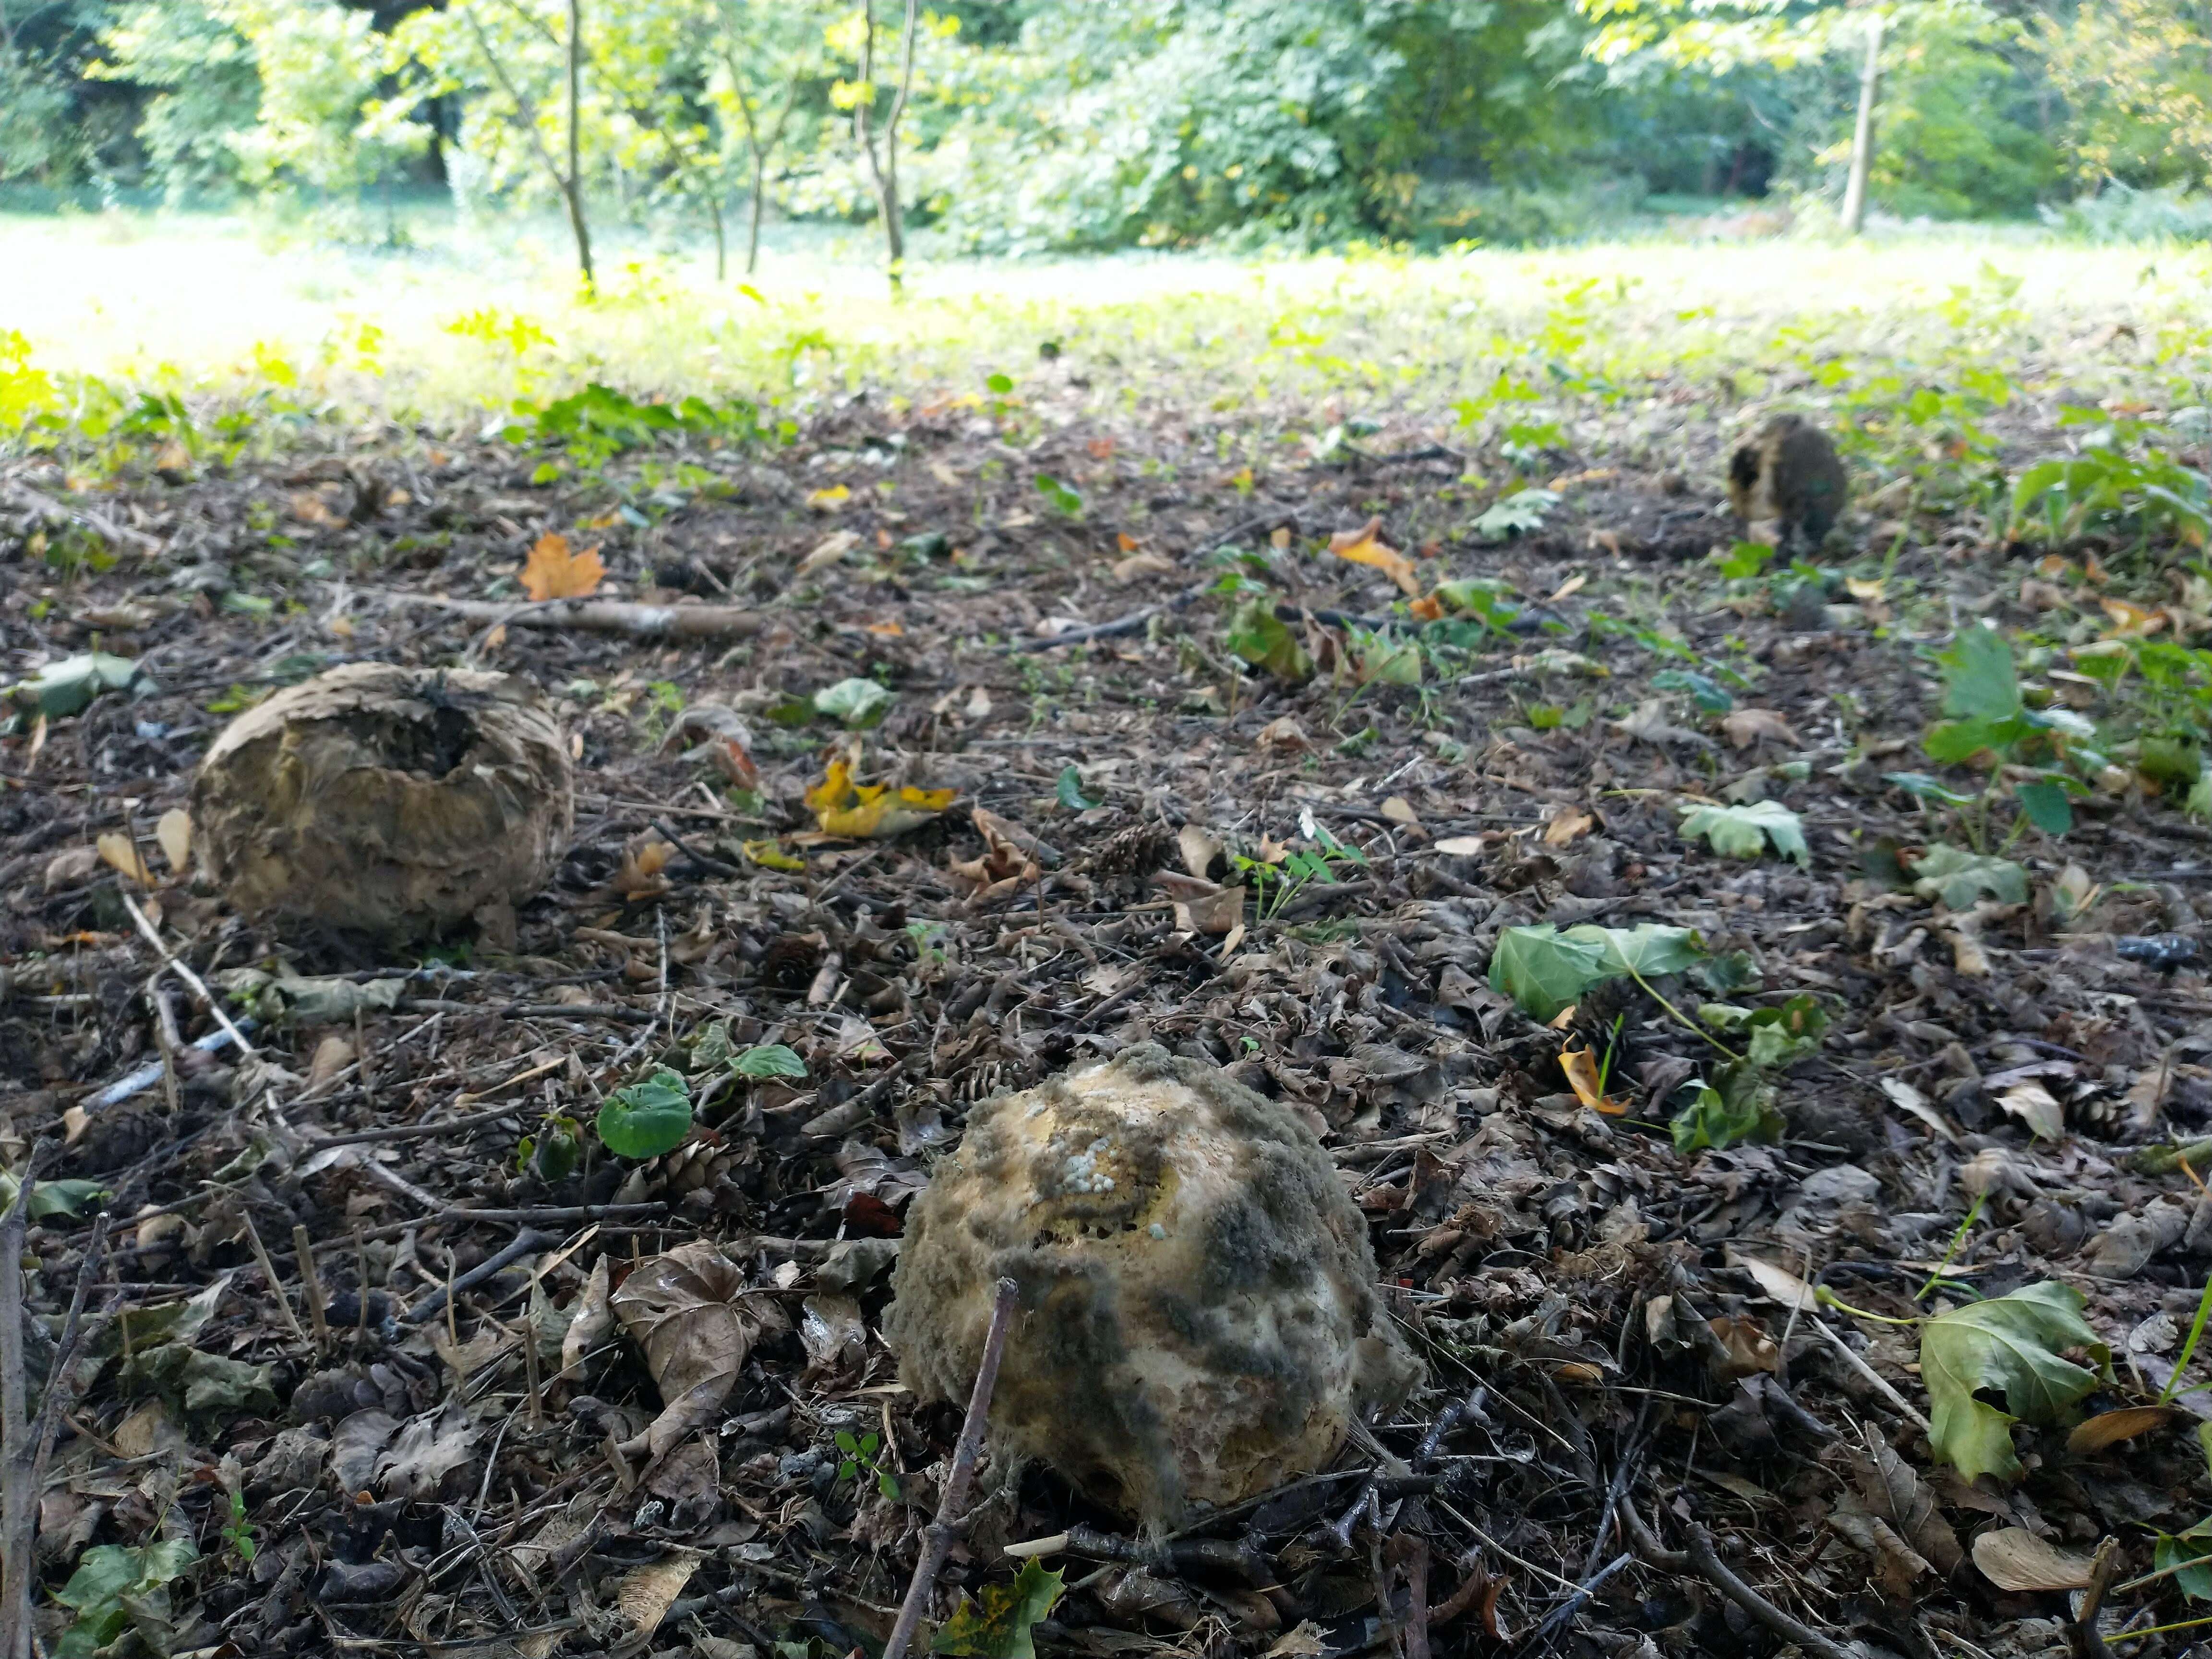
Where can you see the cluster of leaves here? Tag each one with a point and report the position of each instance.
(1987, 718)
(2120, 483)
(652, 1115)
(596, 424)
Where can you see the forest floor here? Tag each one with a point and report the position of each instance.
(1213, 786)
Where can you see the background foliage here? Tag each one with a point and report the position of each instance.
(1062, 124)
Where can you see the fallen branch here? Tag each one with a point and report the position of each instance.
(1702, 1558)
(643, 622)
(526, 1243)
(1106, 630)
(419, 1131)
(942, 1533)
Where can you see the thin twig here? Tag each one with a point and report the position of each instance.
(419, 1131)
(525, 1242)
(945, 1530)
(198, 985)
(1704, 1559)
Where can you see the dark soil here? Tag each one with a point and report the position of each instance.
(1566, 1267)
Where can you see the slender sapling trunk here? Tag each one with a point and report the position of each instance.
(1854, 192)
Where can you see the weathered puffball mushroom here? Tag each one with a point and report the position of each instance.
(388, 800)
(1197, 1319)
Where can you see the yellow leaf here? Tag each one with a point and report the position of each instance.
(174, 832)
(769, 856)
(890, 630)
(120, 852)
(829, 500)
(1569, 589)
(552, 572)
(828, 550)
(871, 812)
(1430, 608)
(1580, 1066)
(2132, 619)
(1866, 591)
(1567, 824)
(1126, 541)
(1361, 547)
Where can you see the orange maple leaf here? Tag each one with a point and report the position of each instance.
(552, 572)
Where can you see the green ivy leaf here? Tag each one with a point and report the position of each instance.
(106, 1575)
(1261, 638)
(1065, 500)
(996, 1624)
(2010, 1344)
(1544, 970)
(1979, 681)
(858, 703)
(1921, 785)
(1708, 694)
(770, 1060)
(1959, 878)
(1744, 832)
(1070, 790)
(2194, 1545)
(1737, 1105)
(1649, 949)
(1787, 1032)
(649, 1117)
(2046, 805)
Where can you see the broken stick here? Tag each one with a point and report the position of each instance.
(644, 621)
(939, 1538)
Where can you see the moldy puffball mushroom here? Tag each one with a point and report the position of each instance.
(1197, 1321)
(392, 801)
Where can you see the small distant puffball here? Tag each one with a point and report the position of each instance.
(1197, 1319)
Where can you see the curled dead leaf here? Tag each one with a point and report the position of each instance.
(589, 1322)
(647, 1593)
(1566, 824)
(119, 852)
(1199, 849)
(174, 832)
(1581, 1067)
(2014, 1558)
(2105, 1428)
(638, 876)
(1284, 733)
(717, 729)
(1746, 726)
(828, 551)
(691, 1314)
(1203, 907)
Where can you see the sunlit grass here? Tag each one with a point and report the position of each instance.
(475, 316)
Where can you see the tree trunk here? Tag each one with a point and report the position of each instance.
(885, 170)
(752, 235)
(1854, 192)
(573, 185)
(721, 247)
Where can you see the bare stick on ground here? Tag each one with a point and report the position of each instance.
(938, 1541)
(200, 986)
(644, 621)
(1702, 1558)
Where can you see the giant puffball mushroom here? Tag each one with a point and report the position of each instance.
(1790, 472)
(394, 800)
(1197, 1321)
